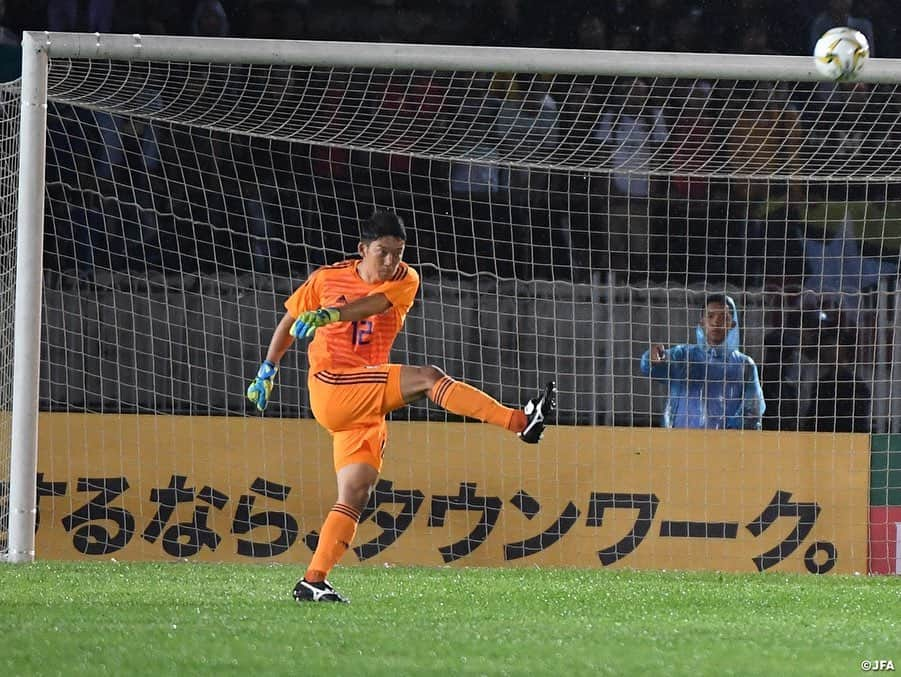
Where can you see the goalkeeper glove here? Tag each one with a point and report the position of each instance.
(258, 391)
(305, 325)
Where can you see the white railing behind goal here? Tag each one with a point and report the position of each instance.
(565, 208)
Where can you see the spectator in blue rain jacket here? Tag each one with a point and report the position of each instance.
(712, 384)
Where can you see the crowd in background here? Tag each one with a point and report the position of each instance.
(751, 26)
(163, 197)
(679, 228)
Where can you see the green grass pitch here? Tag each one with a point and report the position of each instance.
(183, 619)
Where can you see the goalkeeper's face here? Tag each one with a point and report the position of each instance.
(381, 257)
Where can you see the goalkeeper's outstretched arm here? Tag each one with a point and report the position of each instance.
(304, 326)
(281, 340)
(261, 387)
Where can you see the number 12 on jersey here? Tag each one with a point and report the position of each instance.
(362, 332)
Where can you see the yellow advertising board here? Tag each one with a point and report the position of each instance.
(255, 489)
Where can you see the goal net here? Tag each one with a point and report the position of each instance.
(9, 136)
(565, 214)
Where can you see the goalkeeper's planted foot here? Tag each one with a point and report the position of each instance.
(306, 591)
(536, 411)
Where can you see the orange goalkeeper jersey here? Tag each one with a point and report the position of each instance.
(347, 345)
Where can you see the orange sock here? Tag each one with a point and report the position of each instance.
(337, 535)
(461, 398)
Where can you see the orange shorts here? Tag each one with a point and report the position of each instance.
(351, 404)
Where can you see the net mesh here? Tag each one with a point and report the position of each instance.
(561, 224)
(705, 127)
(250, 176)
(9, 161)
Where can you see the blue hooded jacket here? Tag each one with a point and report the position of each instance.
(710, 386)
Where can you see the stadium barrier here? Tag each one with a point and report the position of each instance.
(216, 489)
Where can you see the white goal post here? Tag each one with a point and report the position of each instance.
(39, 49)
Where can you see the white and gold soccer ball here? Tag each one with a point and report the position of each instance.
(841, 52)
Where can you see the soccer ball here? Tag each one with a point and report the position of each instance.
(841, 52)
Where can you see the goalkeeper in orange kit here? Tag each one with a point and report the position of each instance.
(353, 311)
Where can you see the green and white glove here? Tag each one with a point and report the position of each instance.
(308, 322)
(260, 388)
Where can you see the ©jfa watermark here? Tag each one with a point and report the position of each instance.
(877, 665)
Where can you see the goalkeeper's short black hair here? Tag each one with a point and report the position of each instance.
(382, 223)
